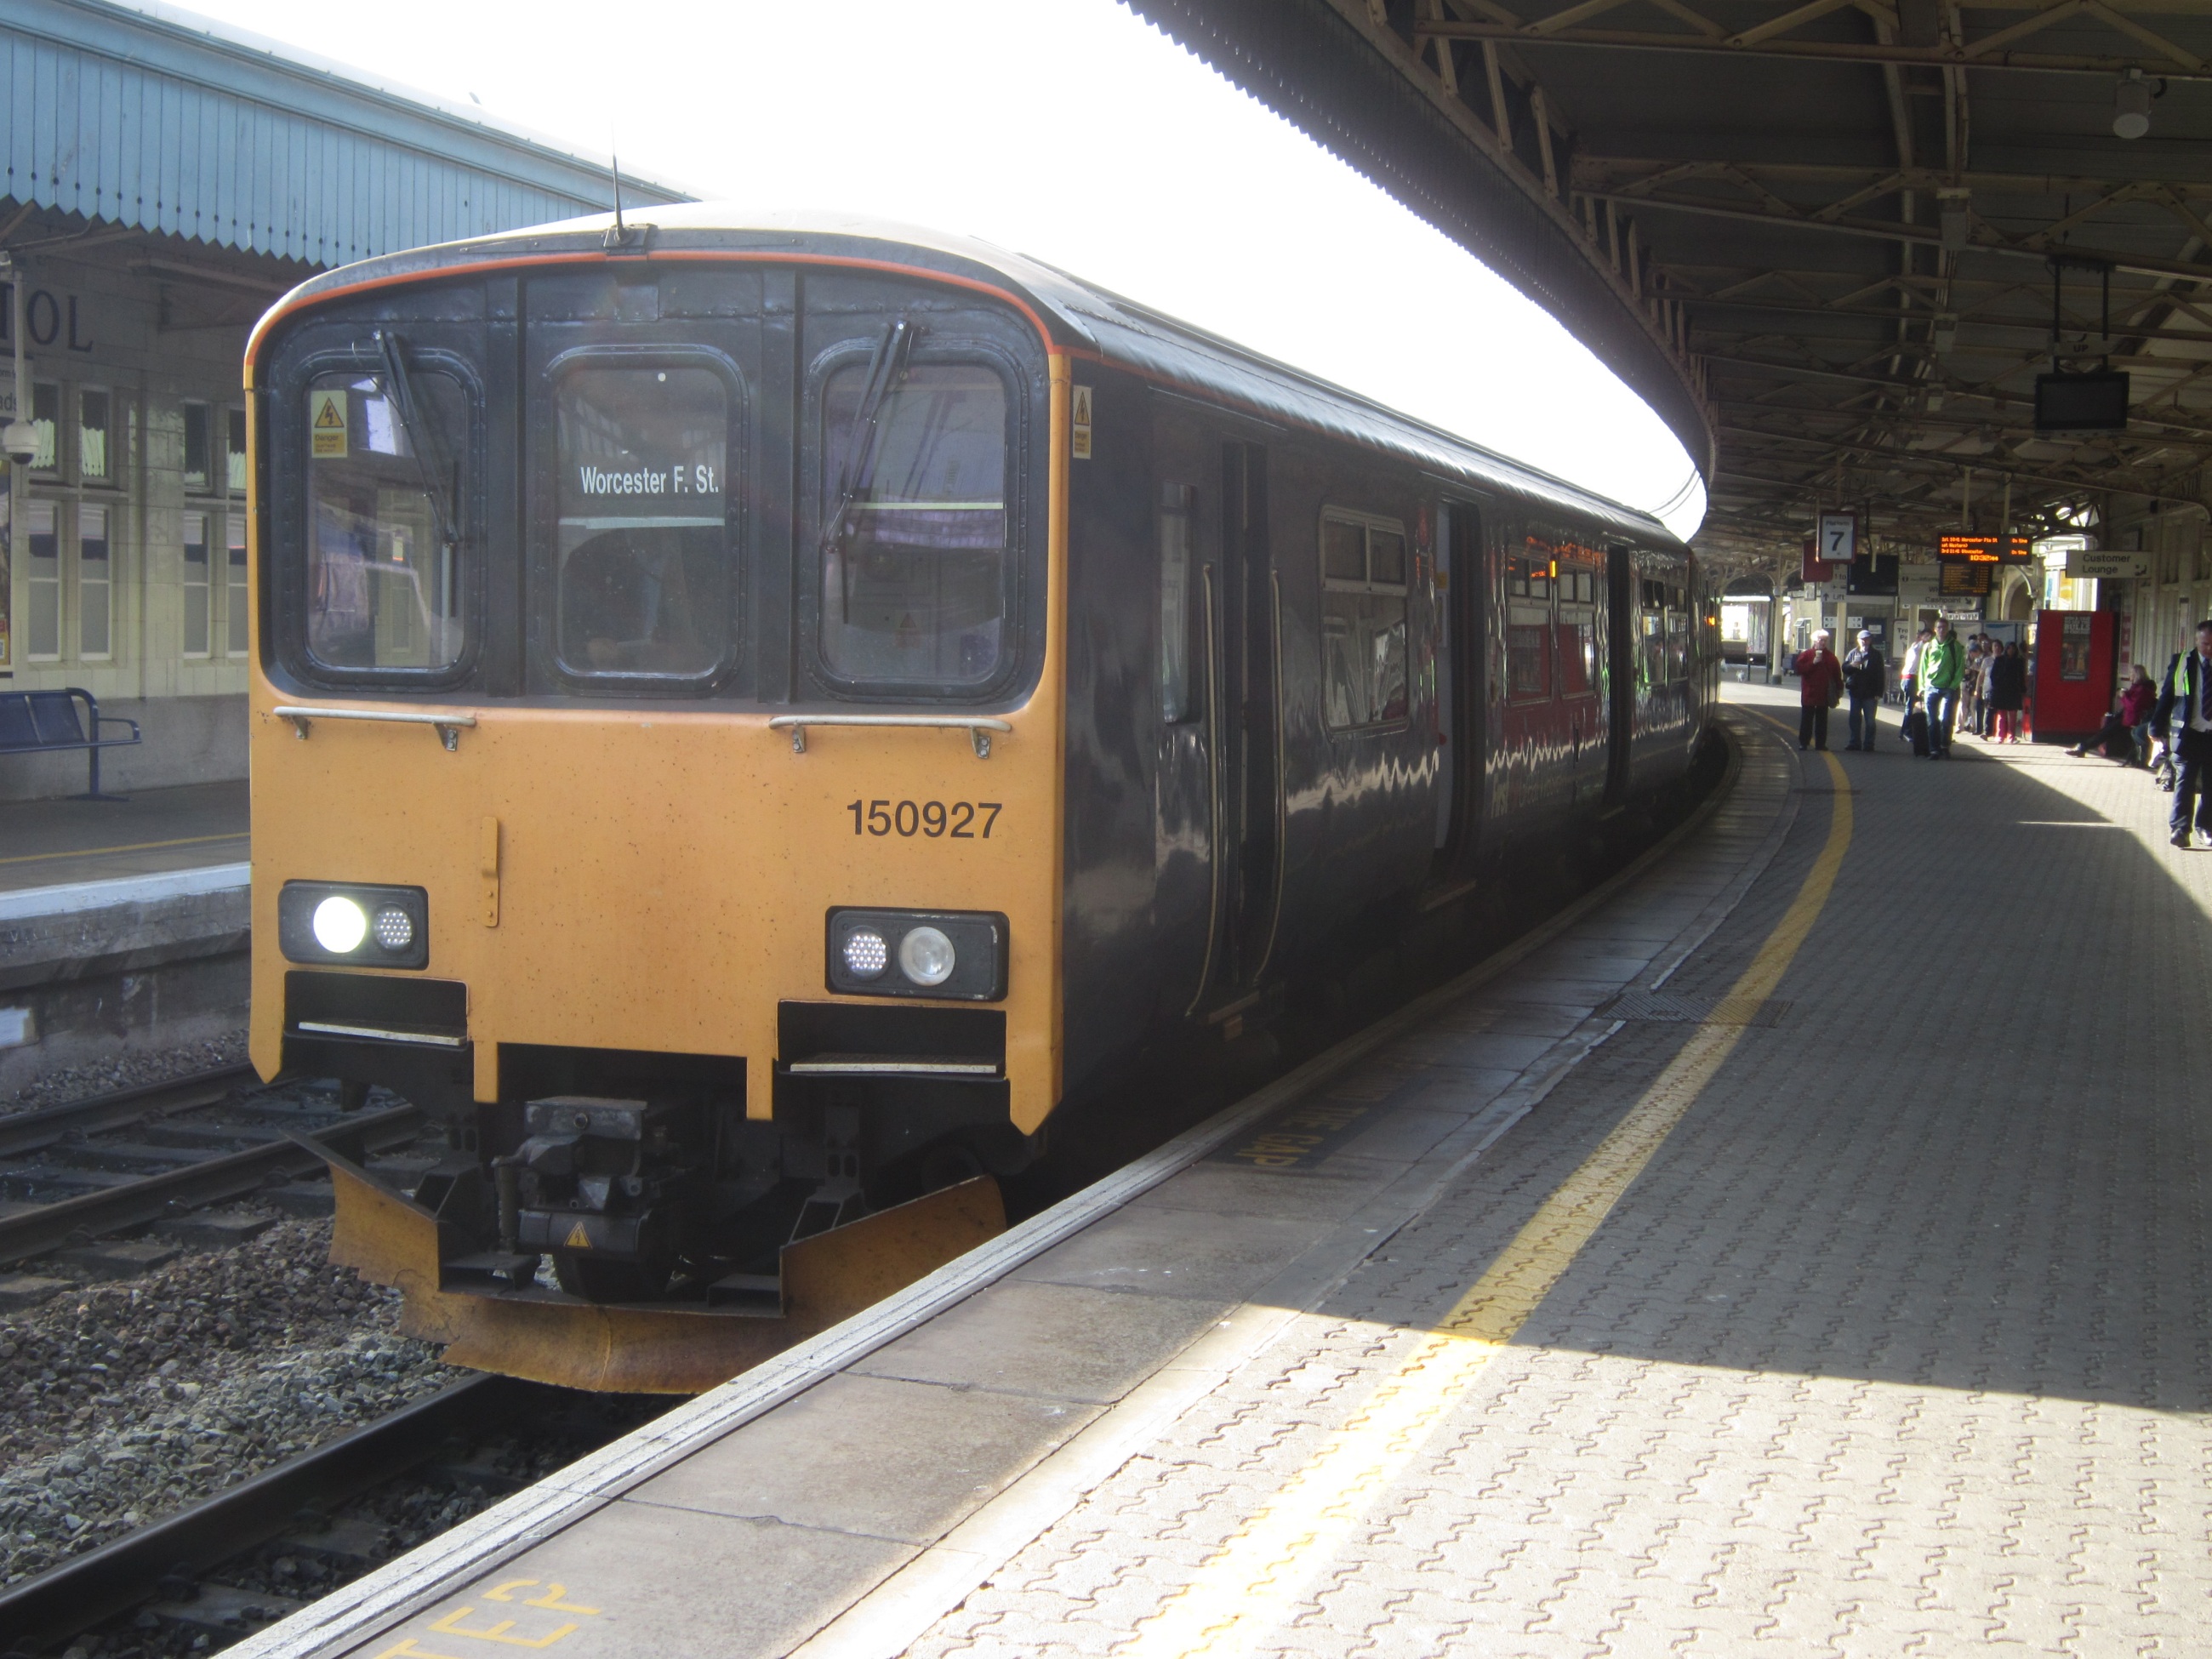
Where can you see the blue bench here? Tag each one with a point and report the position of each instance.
(48, 723)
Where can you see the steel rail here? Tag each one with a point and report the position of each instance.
(75, 1596)
(33, 1131)
(210, 1181)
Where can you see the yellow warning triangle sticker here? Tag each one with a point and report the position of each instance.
(578, 1239)
(328, 417)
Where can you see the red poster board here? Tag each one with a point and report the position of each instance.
(2076, 653)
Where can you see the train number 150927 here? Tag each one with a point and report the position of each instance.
(958, 820)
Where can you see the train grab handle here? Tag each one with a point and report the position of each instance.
(979, 728)
(448, 726)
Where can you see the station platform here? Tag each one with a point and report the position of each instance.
(1798, 1249)
(123, 925)
(54, 843)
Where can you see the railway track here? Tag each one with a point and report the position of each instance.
(86, 1169)
(214, 1572)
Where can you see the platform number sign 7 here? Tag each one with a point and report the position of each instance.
(1839, 537)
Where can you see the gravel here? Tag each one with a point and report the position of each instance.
(123, 1402)
(127, 1071)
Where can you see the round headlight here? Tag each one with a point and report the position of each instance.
(340, 926)
(395, 928)
(866, 955)
(926, 957)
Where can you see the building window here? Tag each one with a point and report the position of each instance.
(95, 419)
(47, 421)
(199, 448)
(42, 633)
(1178, 503)
(234, 598)
(1363, 620)
(95, 589)
(236, 453)
(199, 594)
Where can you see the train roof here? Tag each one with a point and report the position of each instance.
(1080, 315)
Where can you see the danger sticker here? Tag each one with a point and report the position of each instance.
(1081, 423)
(326, 424)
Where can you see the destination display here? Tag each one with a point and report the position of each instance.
(1985, 549)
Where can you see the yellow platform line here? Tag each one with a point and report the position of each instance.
(134, 846)
(1257, 1576)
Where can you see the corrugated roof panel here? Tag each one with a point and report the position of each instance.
(170, 123)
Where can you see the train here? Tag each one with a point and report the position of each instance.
(756, 721)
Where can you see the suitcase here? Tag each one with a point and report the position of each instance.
(1915, 730)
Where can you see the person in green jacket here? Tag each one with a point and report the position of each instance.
(1942, 668)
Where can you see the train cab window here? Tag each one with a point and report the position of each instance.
(1178, 506)
(643, 540)
(388, 472)
(914, 566)
(1363, 620)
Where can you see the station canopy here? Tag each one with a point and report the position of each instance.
(167, 143)
(1825, 240)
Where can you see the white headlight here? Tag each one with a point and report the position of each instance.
(865, 953)
(340, 926)
(926, 957)
(395, 928)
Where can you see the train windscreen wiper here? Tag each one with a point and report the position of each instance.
(857, 473)
(421, 437)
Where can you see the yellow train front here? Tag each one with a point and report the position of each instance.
(749, 719)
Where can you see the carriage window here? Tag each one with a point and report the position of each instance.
(1176, 504)
(1529, 661)
(914, 510)
(644, 538)
(1578, 658)
(1363, 623)
(384, 493)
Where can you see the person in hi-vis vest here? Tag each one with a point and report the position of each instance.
(2183, 718)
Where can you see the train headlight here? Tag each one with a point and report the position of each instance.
(353, 923)
(340, 926)
(957, 955)
(866, 955)
(926, 956)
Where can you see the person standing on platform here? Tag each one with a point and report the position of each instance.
(1908, 682)
(1865, 679)
(2183, 717)
(1820, 688)
(2006, 692)
(1972, 693)
(1941, 669)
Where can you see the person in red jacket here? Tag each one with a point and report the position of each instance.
(1820, 688)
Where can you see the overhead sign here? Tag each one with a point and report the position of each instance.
(1812, 569)
(1839, 538)
(2113, 564)
(1985, 549)
(1964, 580)
(1915, 585)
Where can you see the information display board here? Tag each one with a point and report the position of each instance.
(1985, 549)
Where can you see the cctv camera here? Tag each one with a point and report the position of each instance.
(21, 440)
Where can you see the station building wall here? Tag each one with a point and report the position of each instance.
(127, 574)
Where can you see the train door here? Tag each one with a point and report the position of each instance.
(1461, 733)
(1621, 644)
(1247, 648)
